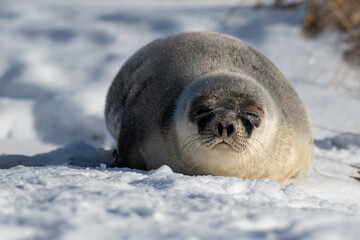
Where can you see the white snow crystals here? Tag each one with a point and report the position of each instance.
(76, 203)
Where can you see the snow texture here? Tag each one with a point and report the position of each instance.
(57, 61)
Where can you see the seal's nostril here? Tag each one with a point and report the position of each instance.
(220, 129)
(230, 130)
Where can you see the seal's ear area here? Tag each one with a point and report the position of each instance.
(253, 118)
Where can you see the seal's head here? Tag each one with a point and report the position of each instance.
(220, 122)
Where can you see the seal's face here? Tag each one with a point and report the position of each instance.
(224, 121)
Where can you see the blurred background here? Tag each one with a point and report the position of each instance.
(58, 58)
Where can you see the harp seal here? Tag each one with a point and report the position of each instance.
(208, 104)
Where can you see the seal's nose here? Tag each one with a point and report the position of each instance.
(225, 129)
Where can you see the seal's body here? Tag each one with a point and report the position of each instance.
(208, 104)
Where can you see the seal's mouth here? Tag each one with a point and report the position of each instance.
(224, 146)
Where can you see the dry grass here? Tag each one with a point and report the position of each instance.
(343, 15)
(323, 15)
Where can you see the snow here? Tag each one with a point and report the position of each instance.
(57, 61)
(72, 203)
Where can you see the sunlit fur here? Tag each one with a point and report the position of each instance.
(204, 153)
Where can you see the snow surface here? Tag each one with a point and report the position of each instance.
(57, 61)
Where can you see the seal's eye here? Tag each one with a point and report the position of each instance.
(201, 111)
(250, 114)
(253, 118)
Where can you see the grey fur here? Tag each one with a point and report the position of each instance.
(160, 80)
